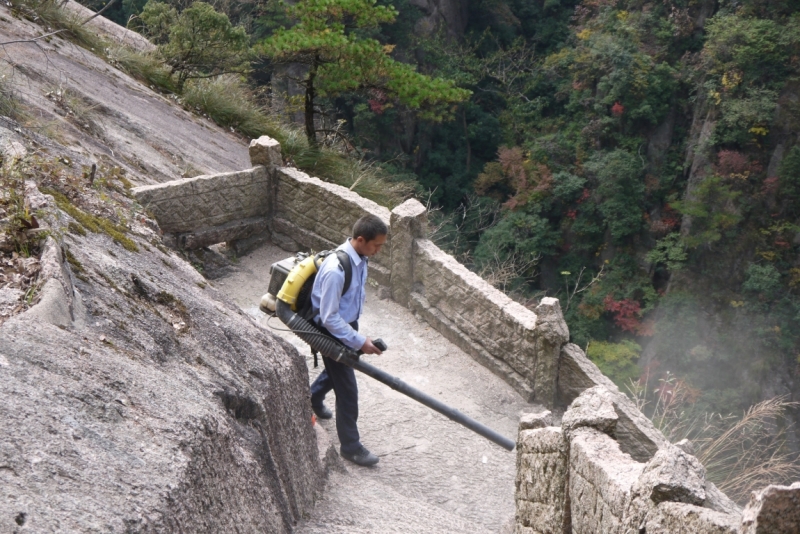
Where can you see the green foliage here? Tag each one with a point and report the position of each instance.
(329, 39)
(762, 280)
(789, 177)
(620, 185)
(712, 206)
(229, 103)
(748, 51)
(745, 119)
(525, 234)
(616, 360)
(198, 42)
(670, 252)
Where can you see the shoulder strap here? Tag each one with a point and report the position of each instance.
(344, 261)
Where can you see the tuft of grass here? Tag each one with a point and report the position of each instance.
(76, 228)
(336, 164)
(18, 223)
(77, 266)
(147, 67)
(50, 14)
(743, 454)
(92, 223)
(740, 453)
(9, 103)
(229, 103)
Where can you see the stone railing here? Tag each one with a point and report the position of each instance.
(579, 478)
(297, 211)
(606, 469)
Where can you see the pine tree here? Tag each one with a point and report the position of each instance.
(329, 40)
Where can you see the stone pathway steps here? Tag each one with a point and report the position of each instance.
(434, 475)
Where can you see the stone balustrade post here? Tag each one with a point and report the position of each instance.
(265, 151)
(408, 222)
(551, 334)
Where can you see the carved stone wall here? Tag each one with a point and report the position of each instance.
(318, 215)
(301, 212)
(201, 211)
(579, 478)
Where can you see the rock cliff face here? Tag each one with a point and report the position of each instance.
(449, 15)
(136, 398)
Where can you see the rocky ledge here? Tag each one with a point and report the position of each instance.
(134, 396)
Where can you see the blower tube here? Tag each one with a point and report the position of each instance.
(335, 350)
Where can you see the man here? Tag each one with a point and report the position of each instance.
(338, 314)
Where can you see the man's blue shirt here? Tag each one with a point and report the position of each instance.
(333, 310)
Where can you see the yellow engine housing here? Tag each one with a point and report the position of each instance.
(297, 278)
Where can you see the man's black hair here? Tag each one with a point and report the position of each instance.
(369, 227)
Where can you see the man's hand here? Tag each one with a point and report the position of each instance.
(369, 348)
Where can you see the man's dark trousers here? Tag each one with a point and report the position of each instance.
(342, 380)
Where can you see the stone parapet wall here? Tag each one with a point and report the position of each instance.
(520, 345)
(542, 464)
(578, 478)
(635, 432)
(300, 212)
(319, 215)
(601, 488)
(205, 201)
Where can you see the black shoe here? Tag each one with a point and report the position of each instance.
(363, 457)
(322, 412)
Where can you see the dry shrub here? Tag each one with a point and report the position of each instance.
(229, 103)
(741, 454)
(503, 270)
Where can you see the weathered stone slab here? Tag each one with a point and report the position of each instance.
(265, 151)
(635, 433)
(773, 510)
(234, 230)
(542, 469)
(719, 502)
(57, 301)
(600, 481)
(672, 475)
(680, 518)
(204, 201)
(529, 421)
(110, 30)
(551, 333)
(577, 373)
(594, 409)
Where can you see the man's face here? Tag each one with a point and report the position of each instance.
(369, 248)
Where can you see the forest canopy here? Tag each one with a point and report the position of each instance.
(637, 160)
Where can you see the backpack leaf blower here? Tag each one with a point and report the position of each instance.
(290, 283)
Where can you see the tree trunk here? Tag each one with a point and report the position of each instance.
(311, 132)
(466, 136)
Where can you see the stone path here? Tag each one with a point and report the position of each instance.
(434, 475)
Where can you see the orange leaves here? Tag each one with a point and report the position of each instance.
(514, 175)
